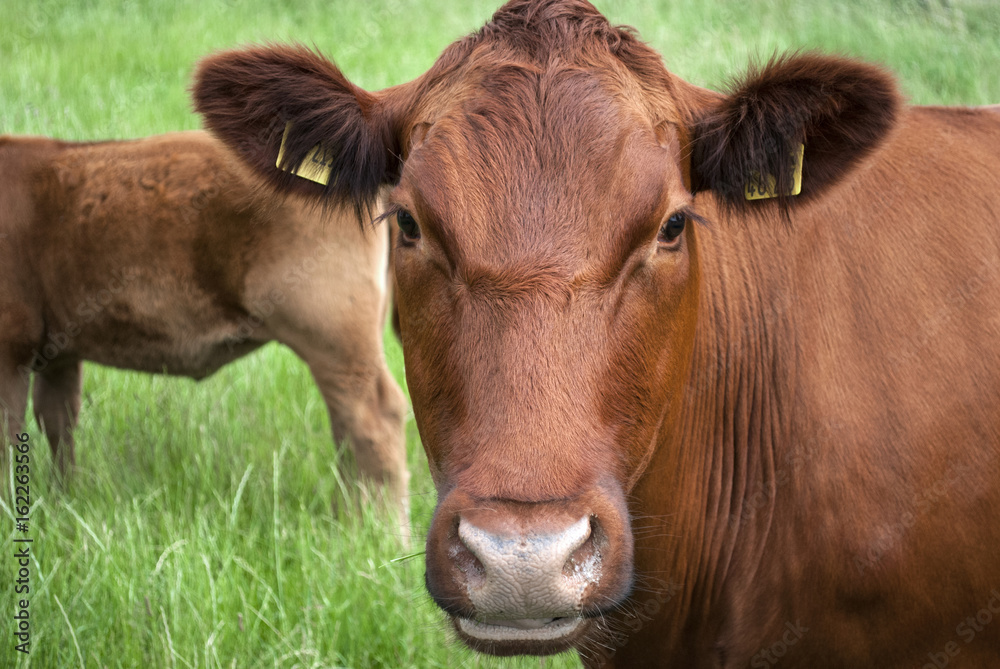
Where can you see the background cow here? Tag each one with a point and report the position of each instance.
(166, 255)
(670, 426)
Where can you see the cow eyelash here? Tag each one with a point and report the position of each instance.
(386, 214)
(670, 232)
(408, 227)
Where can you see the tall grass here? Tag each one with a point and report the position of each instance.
(199, 531)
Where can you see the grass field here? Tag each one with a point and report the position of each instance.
(199, 530)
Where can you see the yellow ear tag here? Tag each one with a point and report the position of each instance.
(316, 167)
(762, 189)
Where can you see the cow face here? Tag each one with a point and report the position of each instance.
(542, 176)
(546, 323)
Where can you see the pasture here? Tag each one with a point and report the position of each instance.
(199, 530)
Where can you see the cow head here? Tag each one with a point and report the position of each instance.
(542, 176)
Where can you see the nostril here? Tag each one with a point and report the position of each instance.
(584, 562)
(465, 560)
(528, 573)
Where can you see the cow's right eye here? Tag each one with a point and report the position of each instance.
(408, 226)
(672, 229)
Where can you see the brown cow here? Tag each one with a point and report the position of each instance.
(670, 426)
(167, 255)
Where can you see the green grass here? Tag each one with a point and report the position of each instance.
(199, 531)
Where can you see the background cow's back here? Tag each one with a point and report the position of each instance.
(165, 255)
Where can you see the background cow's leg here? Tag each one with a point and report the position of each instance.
(367, 410)
(13, 403)
(57, 406)
(323, 290)
(21, 328)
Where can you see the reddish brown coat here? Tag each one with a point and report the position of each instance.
(781, 425)
(166, 255)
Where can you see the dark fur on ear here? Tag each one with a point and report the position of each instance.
(839, 108)
(247, 96)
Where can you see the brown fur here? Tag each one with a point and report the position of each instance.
(795, 427)
(166, 255)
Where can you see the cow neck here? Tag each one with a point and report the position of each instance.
(720, 466)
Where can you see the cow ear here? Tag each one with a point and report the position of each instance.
(264, 100)
(751, 139)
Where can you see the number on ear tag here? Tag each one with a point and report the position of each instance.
(758, 188)
(316, 167)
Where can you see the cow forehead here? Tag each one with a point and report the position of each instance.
(520, 158)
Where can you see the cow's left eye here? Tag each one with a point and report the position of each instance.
(408, 226)
(672, 229)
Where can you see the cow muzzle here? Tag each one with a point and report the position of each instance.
(522, 578)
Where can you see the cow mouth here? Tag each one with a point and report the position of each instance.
(537, 636)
